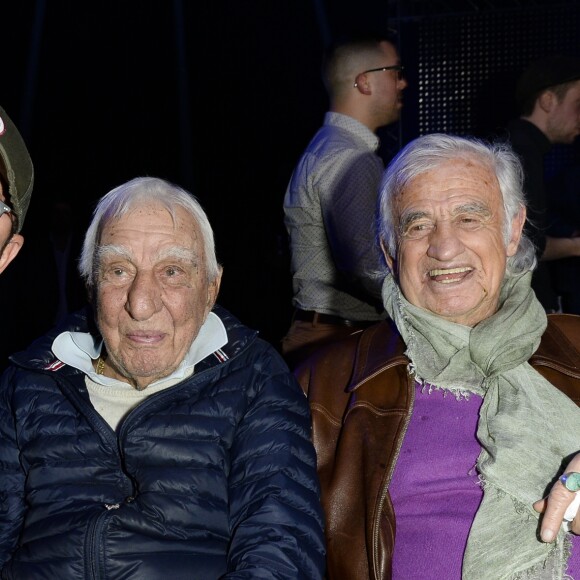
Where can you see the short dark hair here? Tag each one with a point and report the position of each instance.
(342, 48)
(555, 73)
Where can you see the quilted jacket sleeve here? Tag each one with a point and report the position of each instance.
(275, 512)
(12, 477)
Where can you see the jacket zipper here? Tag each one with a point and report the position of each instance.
(95, 531)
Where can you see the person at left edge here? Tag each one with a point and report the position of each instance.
(158, 437)
(16, 182)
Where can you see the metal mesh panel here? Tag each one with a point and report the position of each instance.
(463, 67)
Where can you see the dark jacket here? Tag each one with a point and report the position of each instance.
(531, 146)
(564, 204)
(211, 478)
(361, 399)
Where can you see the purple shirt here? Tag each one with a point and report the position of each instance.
(434, 506)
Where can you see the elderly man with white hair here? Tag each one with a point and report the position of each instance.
(438, 432)
(155, 436)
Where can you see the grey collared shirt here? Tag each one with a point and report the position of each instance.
(329, 207)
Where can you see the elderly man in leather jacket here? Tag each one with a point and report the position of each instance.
(438, 432)
(155, 436)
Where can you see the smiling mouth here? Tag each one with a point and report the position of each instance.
(449, 275)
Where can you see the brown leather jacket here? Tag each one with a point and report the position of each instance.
(360, 395)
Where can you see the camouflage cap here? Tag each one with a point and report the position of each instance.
(16, 166)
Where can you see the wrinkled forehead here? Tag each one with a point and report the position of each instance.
(153, 227)
(151, 214)
(451, 178)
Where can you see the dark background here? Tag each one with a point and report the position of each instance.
(222, 97)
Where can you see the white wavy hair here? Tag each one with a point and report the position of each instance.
(137, 191)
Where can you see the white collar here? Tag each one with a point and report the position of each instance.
(79, 349)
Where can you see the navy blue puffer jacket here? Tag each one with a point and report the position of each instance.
(212, 478)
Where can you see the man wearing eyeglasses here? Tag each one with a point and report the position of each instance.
(16, 181)
(337, 267)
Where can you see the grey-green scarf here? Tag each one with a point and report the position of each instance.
(526, 426)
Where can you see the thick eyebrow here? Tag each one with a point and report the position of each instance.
(409, 217)
(179, 253)
(475, 207)
(110, 250)
(467, 208)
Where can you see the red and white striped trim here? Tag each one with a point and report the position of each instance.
(221, 355)
(54, 366)
(57, 364)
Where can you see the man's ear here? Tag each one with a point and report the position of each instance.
(547, 100)
(10, 251)
(213, 291)
(517, 227)
(362, 84)
(391, 263)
